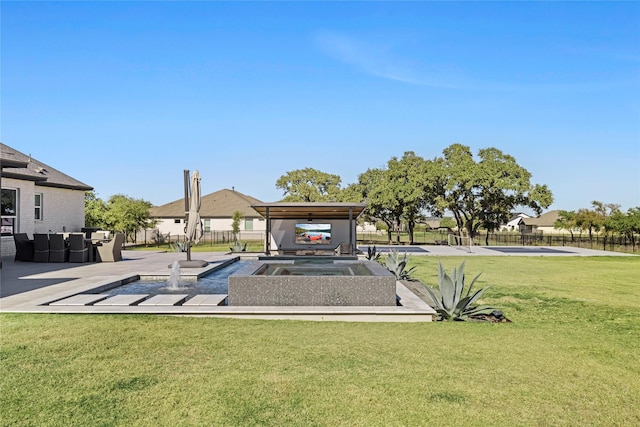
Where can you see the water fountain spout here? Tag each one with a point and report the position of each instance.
(174, 278)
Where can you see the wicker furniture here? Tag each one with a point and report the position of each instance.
(24, 247)
(78, 249)
(40, 247)
(58, 249)
(111, 251)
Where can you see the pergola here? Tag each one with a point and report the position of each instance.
(309, 211)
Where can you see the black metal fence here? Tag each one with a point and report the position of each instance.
(211, 238)
(609, 243)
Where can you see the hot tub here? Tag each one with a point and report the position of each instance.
(313, 283)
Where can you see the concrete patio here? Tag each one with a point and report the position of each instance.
(64, 288)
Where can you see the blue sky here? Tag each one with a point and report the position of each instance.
(126, 95)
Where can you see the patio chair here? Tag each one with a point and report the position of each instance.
(111, 251)
(24, 247)
(40, 247)
(58, 249)
(98, 235)
(78, 250)
(343, 249)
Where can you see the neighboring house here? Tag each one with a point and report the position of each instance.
(367, 227)
(544, 224)
(433, 222)
(36, 198)
(216, 213)
(516, 223)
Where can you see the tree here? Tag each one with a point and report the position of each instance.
(309, 185)
(566, 221)
(399, 194)
(588, 220)
(593, 220)
(409, 181)
(605, 210)
(352, 193)
(626, 224)
(447, 223)
(235, 224)
(94, 210)
(484, 193)
(372, 188)
(127, 215)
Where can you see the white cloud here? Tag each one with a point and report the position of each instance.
(380, 60)
(384, 58)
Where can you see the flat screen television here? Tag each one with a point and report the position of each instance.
(314, 234)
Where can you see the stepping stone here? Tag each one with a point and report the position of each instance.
(169, 299)
(206, 299)
(122, 300)
(81, 299)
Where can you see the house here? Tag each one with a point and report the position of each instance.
(516, 223)
(216, 213)
(543, 224)
(37, 198)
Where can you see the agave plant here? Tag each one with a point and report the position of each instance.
(238, 247)
(180, 246)
(397, 264)
(452, 301)
(373, 254)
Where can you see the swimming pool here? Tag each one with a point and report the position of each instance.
(215, 282)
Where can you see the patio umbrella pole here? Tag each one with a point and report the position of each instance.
(186, 211)
(193, 229)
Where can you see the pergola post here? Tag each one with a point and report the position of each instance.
(186, 211)
(268, 236)
(351, 244)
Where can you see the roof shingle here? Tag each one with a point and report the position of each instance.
(20, 166)
(220, 204)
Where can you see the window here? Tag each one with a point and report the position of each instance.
(176, 221)
(248, 224)
(207, 225)
(38, 207)
(9, 211)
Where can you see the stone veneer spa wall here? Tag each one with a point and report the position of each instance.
(334, 283)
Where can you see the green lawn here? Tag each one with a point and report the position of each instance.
(570, 358)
